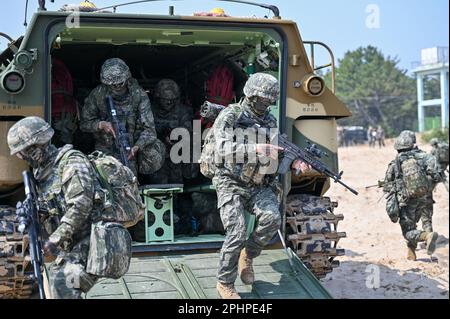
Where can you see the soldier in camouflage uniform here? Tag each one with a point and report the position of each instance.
(427, 214)
(440, 151)
(412, 209)
(169, 114)
(134, 112)
(67, 192)
(242, 187)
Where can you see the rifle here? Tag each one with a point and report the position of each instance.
(380, 184)
(121, 141)
(28, 216)
(309, 155)
(210, 110)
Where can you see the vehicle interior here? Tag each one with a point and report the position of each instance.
(175, 215)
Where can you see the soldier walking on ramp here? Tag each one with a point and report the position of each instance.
(242, 186)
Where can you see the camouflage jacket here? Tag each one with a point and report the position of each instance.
(236, 156)
(165, 121)
(426, 161)
(68, 192)
(134, 111)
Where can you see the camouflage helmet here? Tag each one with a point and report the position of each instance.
(152, 157)
(167, 88)
(405, 141)
(263, 85)
(114, 71)
(434, 141)
(29, 131)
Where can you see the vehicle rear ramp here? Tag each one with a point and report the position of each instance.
(193, 276)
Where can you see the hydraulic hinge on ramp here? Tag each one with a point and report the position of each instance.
(186, 280)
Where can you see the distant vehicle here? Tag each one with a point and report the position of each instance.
(353, 135)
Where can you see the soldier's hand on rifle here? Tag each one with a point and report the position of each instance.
(268, 150)
(50, 249)
(133, 152)
(300, 167)
(107, 127)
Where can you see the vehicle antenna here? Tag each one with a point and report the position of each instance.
(25, 23)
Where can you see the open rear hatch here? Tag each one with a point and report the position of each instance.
(193, 276)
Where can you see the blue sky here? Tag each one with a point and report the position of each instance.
(405, 26)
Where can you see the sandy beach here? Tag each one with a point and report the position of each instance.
(375, 264)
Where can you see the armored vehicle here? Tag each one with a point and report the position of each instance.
(178, 256)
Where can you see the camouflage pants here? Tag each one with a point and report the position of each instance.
(67, 276)
(410, 216)
(262, 202)
(427, 215)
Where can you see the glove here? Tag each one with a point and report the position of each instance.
(22, 217)
(107, 127)
(394, 218)
(133, 152)
(50, 249)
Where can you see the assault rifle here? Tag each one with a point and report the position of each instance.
(210, 110)
(379, 184)
(121, 141)
(309, 155)
(28, 216)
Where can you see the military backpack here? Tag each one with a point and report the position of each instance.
(414, 179)
(116, 190)
(117, 205)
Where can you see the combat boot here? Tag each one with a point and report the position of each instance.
(430, 239)
(411, 253)
(227, 291)
(246, 268)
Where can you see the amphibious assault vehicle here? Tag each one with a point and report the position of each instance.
(172, 262)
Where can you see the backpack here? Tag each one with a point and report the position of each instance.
(219, 86)
(109, 250)
(116, 189)
(414, 178)
(208, 161)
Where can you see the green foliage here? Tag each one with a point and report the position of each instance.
(376, 90)
(436, 133)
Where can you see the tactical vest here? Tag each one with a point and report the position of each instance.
(51, 197)
(247, 172)
(127, 114)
